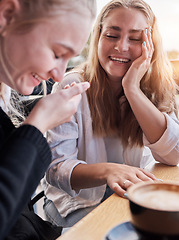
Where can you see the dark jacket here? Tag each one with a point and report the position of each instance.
(24, 158)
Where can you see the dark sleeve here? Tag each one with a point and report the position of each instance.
(24, 159)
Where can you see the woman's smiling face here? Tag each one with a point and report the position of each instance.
(44, 52)
(120, 41)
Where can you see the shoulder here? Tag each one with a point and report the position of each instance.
(69, 78)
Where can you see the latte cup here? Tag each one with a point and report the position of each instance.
(154, 207)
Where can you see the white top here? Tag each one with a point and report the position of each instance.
(74, 143)
(6, 95)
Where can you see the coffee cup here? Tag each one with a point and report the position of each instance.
(154, 207)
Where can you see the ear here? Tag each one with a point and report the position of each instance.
(8, 10)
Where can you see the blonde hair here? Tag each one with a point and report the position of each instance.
(34, 11)
(108, 117)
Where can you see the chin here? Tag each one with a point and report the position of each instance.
(25, 91)
(117, 75)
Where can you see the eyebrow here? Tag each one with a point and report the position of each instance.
(69, 48)
(116, 28)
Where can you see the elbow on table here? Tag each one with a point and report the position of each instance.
(170, 161)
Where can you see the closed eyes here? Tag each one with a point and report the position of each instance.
(130, 38)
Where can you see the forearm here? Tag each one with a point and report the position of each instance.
(166, 150)
(151, 120)
(24, 159)
(94, 175)
(89, 175)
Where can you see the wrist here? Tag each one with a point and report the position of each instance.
(33, 120)
(132, 91)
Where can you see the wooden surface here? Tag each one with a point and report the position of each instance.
(113, 211)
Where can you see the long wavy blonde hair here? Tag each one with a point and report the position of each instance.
(108, 118)
(31, 13)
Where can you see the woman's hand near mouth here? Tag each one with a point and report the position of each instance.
(56, 108)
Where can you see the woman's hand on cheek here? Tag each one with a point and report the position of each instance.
(140, 65)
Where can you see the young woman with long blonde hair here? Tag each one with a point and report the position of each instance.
(37, 38)
(126, 119)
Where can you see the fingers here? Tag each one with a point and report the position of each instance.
(118, 189)
(148, 175)
(120, 183)
(151, 46)
(75, 89)
(70, 85)
(141, 175)
(67, 86)
(148, 47)
(127, 183)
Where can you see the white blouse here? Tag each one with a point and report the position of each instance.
(73, 143)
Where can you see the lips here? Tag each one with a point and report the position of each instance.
(37, 77)
(119, 59)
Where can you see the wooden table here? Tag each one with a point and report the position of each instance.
(113, 211)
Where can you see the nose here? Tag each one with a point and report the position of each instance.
(57, 72)
(122, 45)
